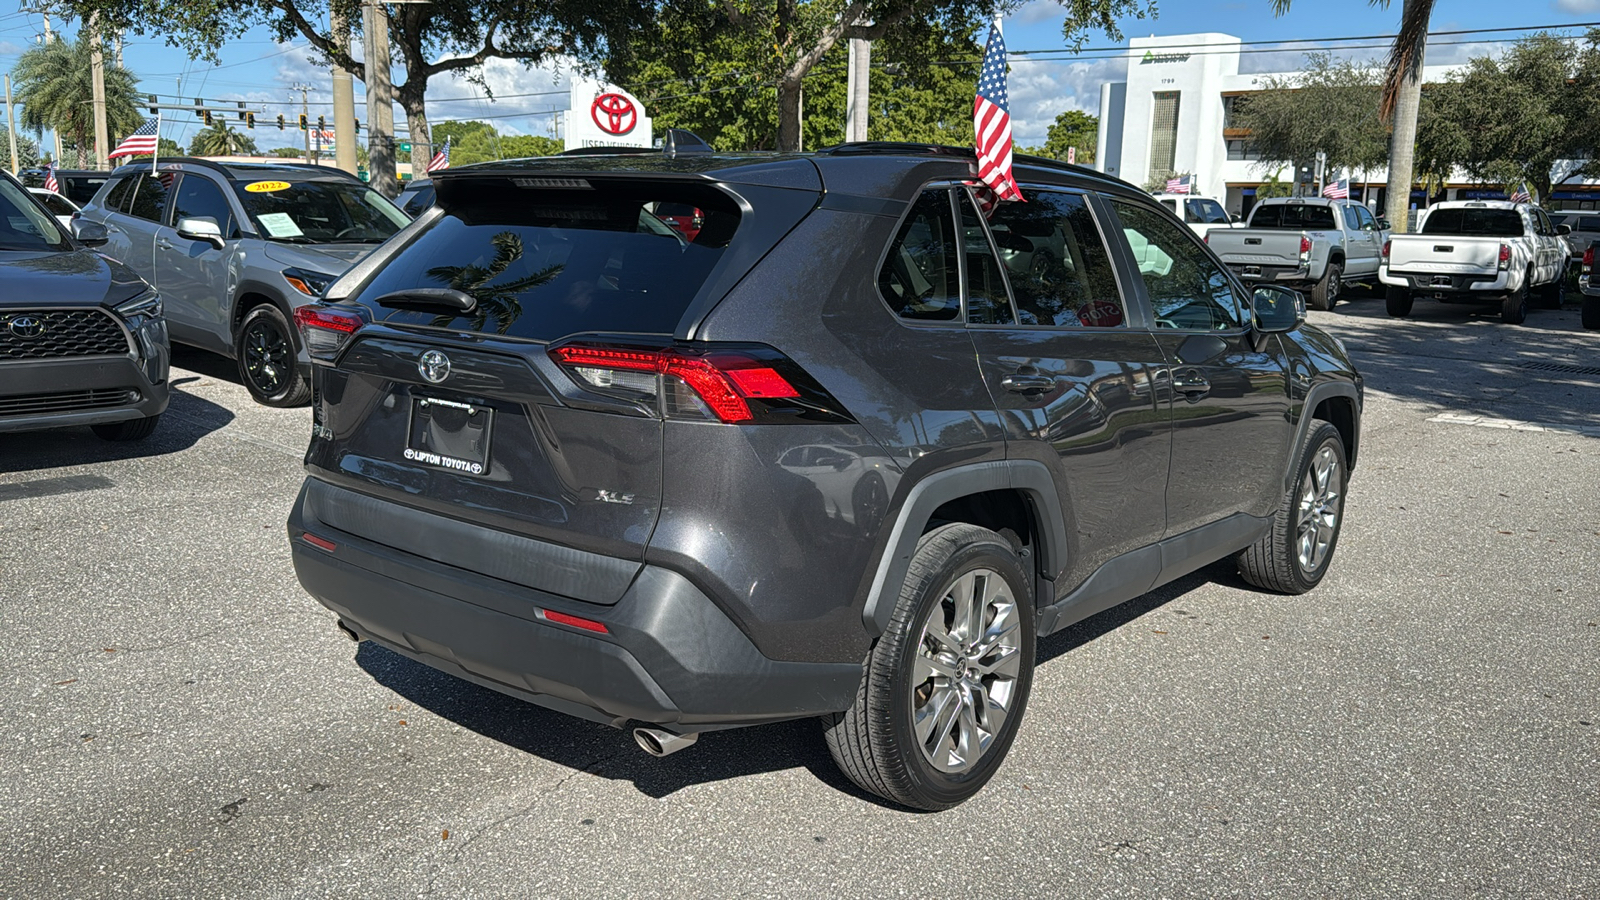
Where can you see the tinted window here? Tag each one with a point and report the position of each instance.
(1587, 223)
(1474, 221)
(544, 264)
(200, 198)
(1293, 216)
(919, 278)
(1364, 216)
(987, 302)
(1060, 274)
(1187, 289)
(57, 204)
(150, 197)
(315, 212)
(23, 225)
(1204, 212)
(415, 200)
(117, 197)
(80, 189)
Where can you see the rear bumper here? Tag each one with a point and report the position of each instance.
(669, 656)
(51, 393)
(1253, 272)
(1424, 282)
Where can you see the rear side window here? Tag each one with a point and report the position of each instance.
(1060, 273)
(546, 263)
(150, 197)
(1587, 223)
(1477, 222)
(1204, 212)
(920, 279)
(1293, 216)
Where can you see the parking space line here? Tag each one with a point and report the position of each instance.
(1514, 424)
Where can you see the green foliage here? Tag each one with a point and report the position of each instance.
(288, 152)
(1073, 128)
(1273, 187)
(221, 140)
(52, 82)
(1330, 107)
(473, 142)
(27, 150)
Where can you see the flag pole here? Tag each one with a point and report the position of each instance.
(156, 153)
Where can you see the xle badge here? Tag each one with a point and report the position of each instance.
(434, 366)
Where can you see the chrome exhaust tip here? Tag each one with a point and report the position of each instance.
(657, 742)
(349, 632)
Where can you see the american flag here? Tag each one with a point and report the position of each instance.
(441, 160)
(1337, 190)
(1179, 184)
(50, 182)
(991, 120)
(142, 141)
(1521, 194)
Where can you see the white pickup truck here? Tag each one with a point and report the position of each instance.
(1478, 251)
(1201, 214)
(1307, 243)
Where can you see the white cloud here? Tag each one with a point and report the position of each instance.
(1039, 91)
(1577, 7)
(1042, 11)
(522, 97)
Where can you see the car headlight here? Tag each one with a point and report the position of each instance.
(146, 304)
(312, 284)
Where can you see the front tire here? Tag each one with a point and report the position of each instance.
(1591, 313)
(265, 349)
(1325, 293)
(130, 430)
(1294, 554)
(945, 687)
(1399, 301)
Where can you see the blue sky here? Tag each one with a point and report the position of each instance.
(260, 71)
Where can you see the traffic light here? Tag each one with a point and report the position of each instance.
(153, 110)
(302, 121)
(241, 112)
(322, 124)
(208, 118)
(199, 108)
(250, 120)
(358, 126)
(280, 121)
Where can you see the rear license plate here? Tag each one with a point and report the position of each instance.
(1441, 281)
(450, 435)
(1252, 270)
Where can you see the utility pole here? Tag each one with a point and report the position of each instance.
(856, 103)
(305, 114)
(119, 49)
(102, 135)
(380, 97)
(11, 126)
(344, 103)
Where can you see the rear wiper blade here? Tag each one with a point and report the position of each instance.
(429, 300)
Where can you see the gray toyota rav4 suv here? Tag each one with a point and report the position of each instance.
(846, 454)
(235, 247)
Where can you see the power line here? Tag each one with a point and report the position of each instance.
(1324, 40)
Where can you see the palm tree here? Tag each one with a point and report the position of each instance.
(1402, 96)
(503, 301)
(54, 86)
(220, 140)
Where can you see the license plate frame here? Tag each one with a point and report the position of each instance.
(450, 435)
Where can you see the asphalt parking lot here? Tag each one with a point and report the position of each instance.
(178, 719)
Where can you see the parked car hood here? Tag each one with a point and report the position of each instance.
(73, 278)
(332, 259)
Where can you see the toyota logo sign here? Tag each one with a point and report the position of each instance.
(614, 113)
(26, 327)
(434, 366)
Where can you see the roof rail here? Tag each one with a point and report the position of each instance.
(227, 168)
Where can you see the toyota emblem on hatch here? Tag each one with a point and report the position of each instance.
(26, 327)
(434, 366)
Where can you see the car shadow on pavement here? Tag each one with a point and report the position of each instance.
(188, 419)
(718, 756)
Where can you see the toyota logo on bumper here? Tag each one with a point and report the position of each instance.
(26, 327)
(434, 366)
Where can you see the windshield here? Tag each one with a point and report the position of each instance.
(23, 225)
(1474, 222)
(1293, 216)
(320, 212)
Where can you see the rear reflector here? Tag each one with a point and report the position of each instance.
(551, 615)
(325, 329)
(319, 543)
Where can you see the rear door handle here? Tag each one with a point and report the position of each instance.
(1192, 385)
(1027, 384)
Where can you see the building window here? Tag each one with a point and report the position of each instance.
(1164, 134)
(1243, 149)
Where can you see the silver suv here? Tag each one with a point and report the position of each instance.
(234, 248)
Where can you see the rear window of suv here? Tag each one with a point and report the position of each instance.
(545, 263)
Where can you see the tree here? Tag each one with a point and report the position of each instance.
(1075, 129)
(288, 152)
(1330, 107)
(27, 150)
(220, 140)
(473, 141)
(1401, 97)
(427, 39)
(54, 87)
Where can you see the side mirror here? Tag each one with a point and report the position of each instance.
(1563, 229)
(202, 228)
(1274, 309)
(1234, 218)
(90, 234)
(1383, 224)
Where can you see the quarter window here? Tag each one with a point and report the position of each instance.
(150, 197)
(1188, 290)
(117, 197)
(1060, 273)
(920, 279)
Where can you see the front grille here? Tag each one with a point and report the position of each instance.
(45, 334)
(66, 401)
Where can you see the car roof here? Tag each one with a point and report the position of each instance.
(246, 171)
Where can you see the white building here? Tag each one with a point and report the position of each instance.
(1172, 114)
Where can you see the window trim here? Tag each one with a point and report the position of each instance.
(994, 253)
(1126, 250)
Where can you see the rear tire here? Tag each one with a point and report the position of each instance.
(1399, 301)
(1591, 313)
(1294, 554)
(131, 430)
(1514, 309)
(946, 686)
(1325, 293)
(265, 350)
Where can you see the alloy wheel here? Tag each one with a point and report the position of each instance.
(966, 670)
(267, 357)
(1320, 498)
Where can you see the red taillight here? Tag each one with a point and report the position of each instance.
(319, 543)
(1588, 259)
(1305, 245)
(1505, 255)
(1386, 249)
(724, 381)
(325, 330)
(559, 618)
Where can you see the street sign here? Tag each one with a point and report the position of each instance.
(402, 146)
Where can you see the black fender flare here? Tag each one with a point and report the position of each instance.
(1027, 476)
(1314, 398)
